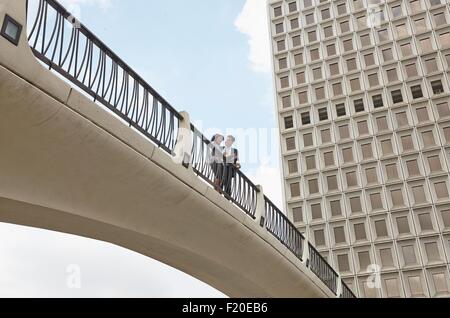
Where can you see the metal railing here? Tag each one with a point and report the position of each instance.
(279, 226)
(234, 185)
(346, 291)
(69, 48)
(322, 269)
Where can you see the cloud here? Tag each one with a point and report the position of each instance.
(102, 4)
(252, 21)
(269, 177)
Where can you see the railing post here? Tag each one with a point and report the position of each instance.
(305, 256)
(339, 287)
(260, 213)
(182, 153)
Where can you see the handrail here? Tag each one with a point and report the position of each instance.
(234, 185)
(279, 226)
(346, 291)
(322, 269)
(79, 56)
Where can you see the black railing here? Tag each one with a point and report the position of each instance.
(322, 269)
(234, 185)
(69, 48)
(346, 292)
(279, 226)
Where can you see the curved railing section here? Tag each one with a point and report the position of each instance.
(237, 187)
(69, 48)
(279, 226)
(322, 269)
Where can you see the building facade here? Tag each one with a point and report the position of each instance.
(363, 99)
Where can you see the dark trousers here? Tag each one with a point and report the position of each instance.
(229, 175)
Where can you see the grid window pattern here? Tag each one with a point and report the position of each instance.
(373, 166)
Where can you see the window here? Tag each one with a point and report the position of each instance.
(377, 101)
(425, 221)
(387, 55)
(411, 70)
(397, 198)
(397, 96)
(352, 180)
(281, 45)
(306, 118)
(382, 123)
(347, 154)
(293, 166)
(348, 45)
(415, 6)
(443, 110)
(361, 22)
(435, 164)
(444, 39)
(363, 128)
(313, 186)
(298, 214)
(369, 59)
(334, 69)
(312, 36)
(331, 49)
(371, 176)
(406, 49)
(397, 11)
(420, 25)
(381, 228)
(342, 9)
(303, 97)
(359, 105)
(437, 87)
(277, 11)
(351, 64)
(416, 91)
(401, 30)
(326, 135)
(441, 190)
(375, 201)
(296, 41)
(428, 139)
(386, 146)
(339, 235)
(284, 82)
(315, 54)
(328, 31)
(422, 114)
(286, 101)
(409, 255)
(365, 40)
(403, 225)
(345, 26)
(323, 114)
(282, 63)
(337, 89)
(343, 263)
(307, 140)
(392, 172)
(328, 158)
(279, 28)
(320, 93)
(355, 84)
(344, 132)
(367, 151)
(355, 204)
(319, 238)
(383, 35)
(288, 122)
(317, 73)
(340, 110)
(439, 19)
(301, 79)
(290, 143)
(309, 18)
(413, 168)
(293, 6)
(325, 14)
(407, 143)
(311, 162)
(431, 65)
(373, 80)
(295, 189)
(294, 24)
(425, 45)
(332, 183)
(298, 59)
(435, 2)
(392, 75)
(360, 231)
(419, 194)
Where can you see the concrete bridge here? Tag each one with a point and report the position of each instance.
(88, 148)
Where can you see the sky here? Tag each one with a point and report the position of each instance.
(210, 58)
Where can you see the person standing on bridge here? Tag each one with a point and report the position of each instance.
(231, 166)
(217, 160)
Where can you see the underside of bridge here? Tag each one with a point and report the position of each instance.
(68, 165)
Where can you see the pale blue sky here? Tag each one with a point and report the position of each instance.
(195, 56)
